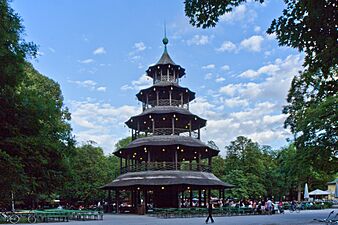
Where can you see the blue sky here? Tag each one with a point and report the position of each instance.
(98, 52)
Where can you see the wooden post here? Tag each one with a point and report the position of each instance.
(138, 129)
(209, 197)
(173, 125)
(199, 197)
(168, 77)
(176, 160)
(147, 102)
(153, 126)
(182, 198)
(182, 100)
(189, 128)
(145, 195)
(157, 98)
(117, 196)
(170, 98)
(120, 164)
(199, 133)
(191, 195)
(205, 198)
(109, 202)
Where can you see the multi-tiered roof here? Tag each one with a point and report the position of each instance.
(166, 151)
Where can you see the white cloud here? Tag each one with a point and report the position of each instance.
(227, 46)
(225, 67)
(142, 82)
(272, 36)
(100, 122)
(237, 14)
(86, 61)
(229, 89)
(199, 40)
(249, 74)
(254, 43)
(236, 102)
(103, 89)
(220, 79)
(257, 29)
(99, 51)
(208, 76)
(210, 66)
(88, 84)
(140, 46)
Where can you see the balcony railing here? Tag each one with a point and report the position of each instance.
(166, 102)
(158, 166)
(176, 131)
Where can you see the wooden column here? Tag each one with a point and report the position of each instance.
(147, 102)
(138, 129)
(176, 160)
(149, 159)
(191, 195)
(182, 100)
(109, 202)
(199, 197)
(182, 198)
(173, 125)
(157, 98)
(153, 126)
(188, 103)
(117, 196)
(209, 196)
(205, 198)
(145, 195)
(190, 128)
(120, 164)
(199, 133)
(170, 98)
(168, 77)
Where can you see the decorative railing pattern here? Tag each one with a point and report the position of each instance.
(157, 166)
(166, 102)
(177, 131)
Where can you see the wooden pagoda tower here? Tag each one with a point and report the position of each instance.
(166, 164)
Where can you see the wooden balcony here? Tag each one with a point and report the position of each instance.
(157, 166)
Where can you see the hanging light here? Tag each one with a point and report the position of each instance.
(145, 148)
(206, 150)
(178, 147)
(131, 120)
(194, 157)
(174, 115)
(162, 188)
(182, 150)
(141, 158)
(163, 150)
(163, 118)
(149, 116)
(138, 188)
(141, 93)
(176, 119)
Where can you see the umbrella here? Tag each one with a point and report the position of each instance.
(306, 192)
(336, 191)
(319, 192)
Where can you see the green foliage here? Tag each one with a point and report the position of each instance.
(309, 26)
(34, 130)
(206, 13)
(122, 143)
(88, 169)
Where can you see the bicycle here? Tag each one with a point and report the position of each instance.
(10, 218)
(31, 218)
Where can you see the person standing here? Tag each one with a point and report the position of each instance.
(209, 209)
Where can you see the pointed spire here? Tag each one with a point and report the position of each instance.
(165, 39)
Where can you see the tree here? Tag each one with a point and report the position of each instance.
(89, 169)
(34, 130)
(244, 158)
(309, 26)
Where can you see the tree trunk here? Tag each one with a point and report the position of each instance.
(299, 189)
